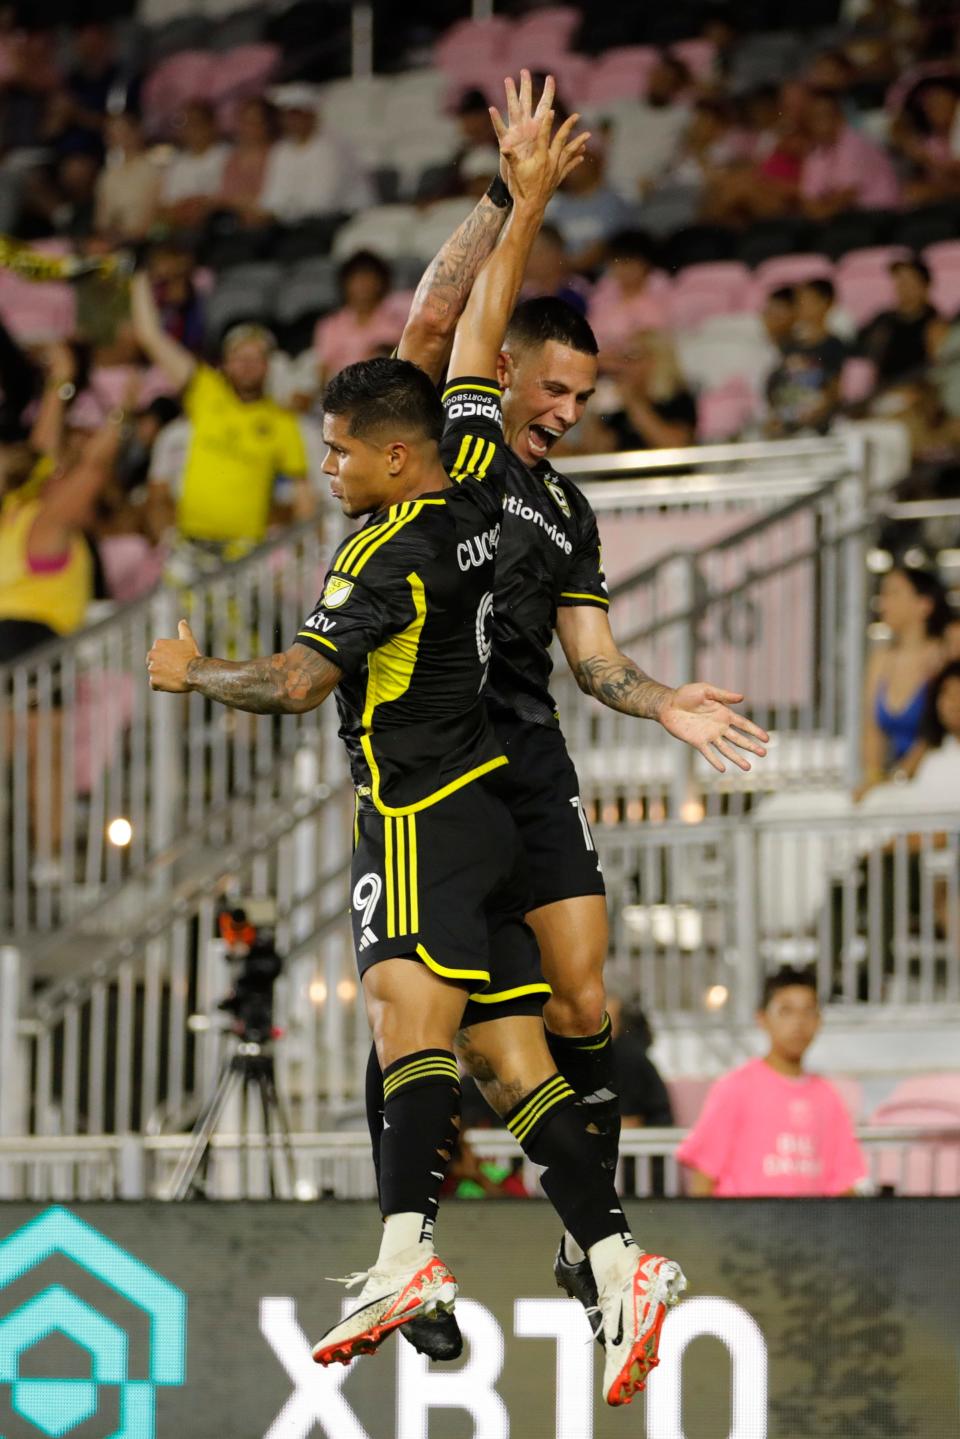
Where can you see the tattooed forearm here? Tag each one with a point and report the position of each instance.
(501, 1094)
(290, 683)
(448, 279)
(620, 685)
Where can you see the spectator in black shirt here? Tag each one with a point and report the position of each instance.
(644, 1101)
(657, 410)
(804, 389)
(897, 340)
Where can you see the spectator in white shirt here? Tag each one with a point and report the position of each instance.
(309, 172)
(194, 176)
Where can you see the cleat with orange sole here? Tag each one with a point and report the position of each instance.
(633, 1316)
(411, 1286)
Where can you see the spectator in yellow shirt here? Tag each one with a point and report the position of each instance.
(241, 441)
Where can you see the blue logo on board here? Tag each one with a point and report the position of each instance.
(53, 1405)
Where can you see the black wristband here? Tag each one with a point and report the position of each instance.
(498, 194)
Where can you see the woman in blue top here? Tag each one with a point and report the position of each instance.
(913, 606)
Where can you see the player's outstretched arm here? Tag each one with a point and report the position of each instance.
(291, 683)
(447, 281)
(698, 714)
(534, 173)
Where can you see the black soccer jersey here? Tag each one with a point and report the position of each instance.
(549, 557)
(406, 613)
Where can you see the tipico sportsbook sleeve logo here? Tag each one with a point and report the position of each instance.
(57, 1405)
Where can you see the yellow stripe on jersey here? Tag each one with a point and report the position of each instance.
(310, 635)
(388, 869)
(375, 537)
(456, 385)
(412, 872)
(572, 595)
(357, 543)
(491, 451)
(400, 849)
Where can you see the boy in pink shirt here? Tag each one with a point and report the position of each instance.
(768, 1128)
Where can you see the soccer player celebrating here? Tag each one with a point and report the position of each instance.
(549, 578)
(401, 632)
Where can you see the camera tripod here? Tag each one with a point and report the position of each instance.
(250, 1068)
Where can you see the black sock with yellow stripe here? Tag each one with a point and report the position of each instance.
(556, 1132)
(588, 1065)
(421, 1118)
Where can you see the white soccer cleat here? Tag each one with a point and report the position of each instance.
(633, 1314)
(415, 1283)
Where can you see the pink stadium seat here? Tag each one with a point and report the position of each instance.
(539, 38)
(926, 1168)
(943, 254)
(471, 44)
(37, 312)
(697, 55)
(189, 75)
(620, 74)
(865, 295)
(792, 270)
(243, 71)
(871, 260)
(945, 291)
(573, 74)
(723, 412)
(687, 1099)
(858, 379)
(724, 287)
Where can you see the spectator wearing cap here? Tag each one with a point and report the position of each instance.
(587, 212)
(309, 173)
(898, 341)
(128, 189)
(370, 317)
(623, 301)
(195, 174)
(844, 170)
(242, 443)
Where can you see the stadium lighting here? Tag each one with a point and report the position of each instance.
(879, 561)
(120, 832)
(716, 996)
(317, 991)
(347, 990)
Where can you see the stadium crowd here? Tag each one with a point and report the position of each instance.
(761, 237)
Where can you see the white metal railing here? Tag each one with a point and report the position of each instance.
(902, 1159)
(775, 610)
(701, 911)
(83, 741)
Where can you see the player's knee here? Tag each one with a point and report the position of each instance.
(577, 1012)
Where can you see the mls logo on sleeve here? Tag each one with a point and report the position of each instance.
(337, 592)
(56, 1405)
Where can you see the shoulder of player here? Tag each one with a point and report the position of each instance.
(407, 532)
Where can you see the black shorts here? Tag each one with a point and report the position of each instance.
(449, 886)
(541, 790)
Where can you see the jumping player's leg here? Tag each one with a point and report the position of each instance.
(511, 1063)
(414, 1015)
(573, 935)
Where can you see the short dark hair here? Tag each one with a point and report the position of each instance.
(932, 730)
(820, 286)
(914, 263)
(536, 322)
(631, 245)
(366, 260)
(783, 294)
(380, 394)
(787, 977)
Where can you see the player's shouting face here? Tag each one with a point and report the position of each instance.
(546, 389)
